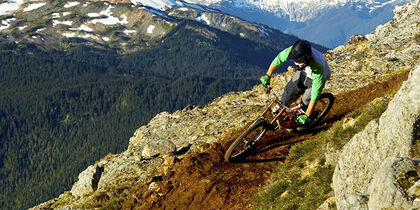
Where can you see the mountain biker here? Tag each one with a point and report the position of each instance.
(309, 80)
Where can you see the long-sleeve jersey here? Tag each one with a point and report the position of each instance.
(318, 70)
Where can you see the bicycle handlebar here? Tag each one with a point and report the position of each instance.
(268, 91)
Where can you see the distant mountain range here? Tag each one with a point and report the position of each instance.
(122, 25)
(329, 23)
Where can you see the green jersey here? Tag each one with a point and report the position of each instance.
(318, 70)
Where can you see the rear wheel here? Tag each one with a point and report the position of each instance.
(243, 145)
(322, 107)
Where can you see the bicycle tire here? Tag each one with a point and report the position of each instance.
(330, 97)
(256, 131)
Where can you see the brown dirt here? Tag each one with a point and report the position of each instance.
(204, 181)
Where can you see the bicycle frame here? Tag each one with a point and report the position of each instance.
(283, 109)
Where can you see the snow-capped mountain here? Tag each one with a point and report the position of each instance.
(301, 10)
(123, 25)
(327, 22)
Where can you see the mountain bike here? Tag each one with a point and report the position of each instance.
(276, 116)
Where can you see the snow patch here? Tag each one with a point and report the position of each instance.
(2, 27)
(109, 20)
(22, 27)
(158, 4)
(66, 22)
(66, 13)
(128, 32)
(93, 15)
(34, 6)
(105, 39)
(71, 4)
(79, 35)
(56, 15)
(83, 27)
(150, 29)
(10, 6)
(203, 18)
(199, 7)
(69, 35)
(39, 30)
(156, 12)
(6, 23)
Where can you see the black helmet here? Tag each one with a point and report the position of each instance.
(301, 54)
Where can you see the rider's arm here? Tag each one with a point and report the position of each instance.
(318, 84)
(279, 60)
(271, 69)
(310, 108)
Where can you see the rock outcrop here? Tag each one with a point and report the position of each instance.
(391, 183)
(368, 167)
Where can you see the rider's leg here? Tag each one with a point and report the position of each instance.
(306, 97)
(294, 88)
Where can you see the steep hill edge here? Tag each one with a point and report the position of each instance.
(204, 180)
(201, 178)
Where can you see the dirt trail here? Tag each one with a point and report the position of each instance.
(205, 181)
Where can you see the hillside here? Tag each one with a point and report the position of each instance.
(78, 77)
(176, 160)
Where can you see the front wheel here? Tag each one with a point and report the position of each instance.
(322, 107)
(242, 145)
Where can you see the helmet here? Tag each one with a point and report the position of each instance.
(301, 54)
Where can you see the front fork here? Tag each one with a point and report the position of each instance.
(275, 120)
(259, 137)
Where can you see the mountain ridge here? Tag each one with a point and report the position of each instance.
(325, 22)
(123, 25)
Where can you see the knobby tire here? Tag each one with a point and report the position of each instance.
(330, 98)
(254, 131)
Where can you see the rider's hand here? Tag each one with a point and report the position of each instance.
(302, 119)
(265, 80)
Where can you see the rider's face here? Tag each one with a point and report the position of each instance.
(299, 63)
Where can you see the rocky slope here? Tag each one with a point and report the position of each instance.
(392, 48)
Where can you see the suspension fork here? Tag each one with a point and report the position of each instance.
(259, 137)
(269, 105)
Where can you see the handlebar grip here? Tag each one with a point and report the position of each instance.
(267, 89)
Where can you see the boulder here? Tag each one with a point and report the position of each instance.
(392, 135)
(391, 183)
(160, 147)
(356, 38)
(88, 181)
